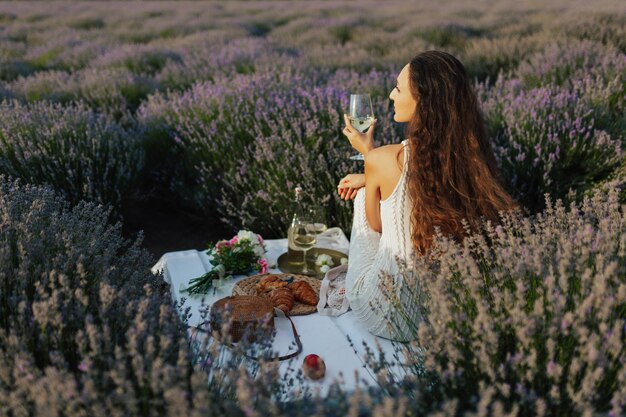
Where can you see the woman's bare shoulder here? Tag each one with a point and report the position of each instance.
(384, 153)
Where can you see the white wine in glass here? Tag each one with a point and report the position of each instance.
(361, 123)
(361, 115)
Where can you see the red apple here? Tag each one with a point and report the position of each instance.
(314, 367)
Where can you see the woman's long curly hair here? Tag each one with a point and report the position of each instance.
(452, 169)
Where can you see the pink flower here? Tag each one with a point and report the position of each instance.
(263, 264)
(225, 243)
(233, 241)
(83, 367)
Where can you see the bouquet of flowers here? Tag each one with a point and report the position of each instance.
(243, 254)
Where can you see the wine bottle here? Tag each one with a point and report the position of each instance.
(294, 254)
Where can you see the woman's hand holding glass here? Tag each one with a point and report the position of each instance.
(349, 186)
(362, 142)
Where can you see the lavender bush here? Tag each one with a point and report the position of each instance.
(486, 58)
(11, 61)
(209, 60)
(567, 63)
(113, 90)
(10, 70)
(529, 317)
(5, 93)
(64, 48)
(550, 139)
(605, 27)
(84, 155)
(148, 59)
(49, 85)
(84, 327)
(109, 90)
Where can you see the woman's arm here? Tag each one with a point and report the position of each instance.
(372, 189)
(364, 143)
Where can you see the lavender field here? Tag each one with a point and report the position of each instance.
(218, 109)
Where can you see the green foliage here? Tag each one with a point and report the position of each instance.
(87, 23)
(258, 29)
(7, 17)
(342, 33)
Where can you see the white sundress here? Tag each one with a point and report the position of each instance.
(372, 252)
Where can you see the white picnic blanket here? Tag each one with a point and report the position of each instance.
(322, 335)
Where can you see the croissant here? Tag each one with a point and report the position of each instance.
(303, 292)
(268, 283)
(282, 298)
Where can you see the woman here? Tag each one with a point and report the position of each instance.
(444, 172)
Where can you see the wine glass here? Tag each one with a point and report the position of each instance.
(304, 238)
(317, 213)
(361, 115)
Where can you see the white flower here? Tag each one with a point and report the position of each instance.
(254, 239)
(344, 261)
(324, 268)
(324, 259)
(247, 235)
(259, 251)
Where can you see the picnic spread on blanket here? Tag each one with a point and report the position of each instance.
(332, 345)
